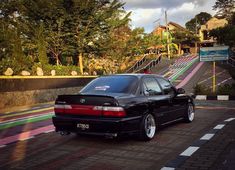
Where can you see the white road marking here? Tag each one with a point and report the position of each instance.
(2, 146)
(36, 107)
(207, 136)
(220, 126)
(167, 168)
(49, 131)
(210, 77)
(27, 138)
(189, 151)
(223, 82)
(229, 120)
(164, 71)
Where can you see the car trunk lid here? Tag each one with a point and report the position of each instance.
(88, 105)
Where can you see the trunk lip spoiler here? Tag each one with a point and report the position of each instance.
(110, 95)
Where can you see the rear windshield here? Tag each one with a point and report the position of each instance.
(112, 84)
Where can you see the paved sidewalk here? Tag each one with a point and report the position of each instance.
(217, 154)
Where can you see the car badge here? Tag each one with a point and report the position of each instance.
(82, 100)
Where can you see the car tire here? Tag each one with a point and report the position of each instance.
(148, 127)
(190, 113)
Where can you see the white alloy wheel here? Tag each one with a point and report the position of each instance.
(149, 126)
(191, 113)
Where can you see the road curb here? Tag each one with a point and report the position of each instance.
(218, 97)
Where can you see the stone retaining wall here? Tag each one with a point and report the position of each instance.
(30, 97)
(21, 91)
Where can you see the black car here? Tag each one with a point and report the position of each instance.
(123, 104)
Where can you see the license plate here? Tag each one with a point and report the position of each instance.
(83, 126)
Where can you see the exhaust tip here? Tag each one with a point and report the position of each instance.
(63, 133)
(111, 135)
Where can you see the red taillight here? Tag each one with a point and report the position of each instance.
(111, 111)
(60, 108)
(90, 110)
(114, 113)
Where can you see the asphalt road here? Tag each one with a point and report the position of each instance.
(204, 77)
(222, 76)
(52, 151)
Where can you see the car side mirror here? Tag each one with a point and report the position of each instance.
(180, 91)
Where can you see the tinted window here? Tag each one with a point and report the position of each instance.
(151, 86)
(166, 86)
(112, 84)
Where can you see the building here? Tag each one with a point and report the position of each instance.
(213, 23)
(172, 26)
(161, 30)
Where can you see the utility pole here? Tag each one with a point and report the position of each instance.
(196, 35)
(157, 26)
(167, 37)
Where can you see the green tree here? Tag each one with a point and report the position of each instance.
(181, 37)
(42, 28)
(225, 35)
(41, 45)
(117, 43)
(92, 23)
(12, 37)
(195, 23)
(151, 40)
(136, 41)
(45, 21)
(225, 8)
(232, 19)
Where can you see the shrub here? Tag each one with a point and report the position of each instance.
(15, 65)
(232, 72)
(227, 89)
(100, 71)
(60, 70)
(201, 89)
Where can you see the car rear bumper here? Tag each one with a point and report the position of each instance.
(98, 126)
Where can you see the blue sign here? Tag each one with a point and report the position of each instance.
(214, 53)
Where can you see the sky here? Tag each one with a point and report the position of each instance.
(150, 13)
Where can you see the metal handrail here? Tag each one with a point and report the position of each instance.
(151, 64)
(137, 64)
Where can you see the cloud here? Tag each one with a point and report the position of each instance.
(145, 13)
(188, 11)
(145, 18)
(166, 4)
